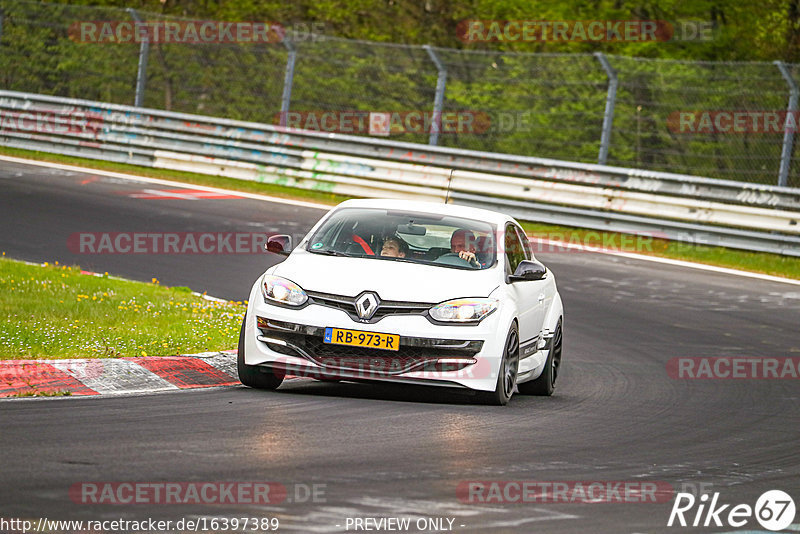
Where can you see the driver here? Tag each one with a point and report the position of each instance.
(462, 242)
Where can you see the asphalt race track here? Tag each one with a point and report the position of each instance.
(377, 451)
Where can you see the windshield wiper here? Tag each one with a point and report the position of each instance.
(331, 252)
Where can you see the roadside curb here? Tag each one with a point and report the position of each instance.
(117, 376)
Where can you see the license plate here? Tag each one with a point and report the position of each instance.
(356, 338)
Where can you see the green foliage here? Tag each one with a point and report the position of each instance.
(53, 311)
(742, 30)
(542, 99)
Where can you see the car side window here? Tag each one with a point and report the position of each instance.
(526, 244)
(515, 253)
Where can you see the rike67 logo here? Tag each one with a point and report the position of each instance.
(774, 510)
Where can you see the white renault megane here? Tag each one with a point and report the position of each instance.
(408, 292)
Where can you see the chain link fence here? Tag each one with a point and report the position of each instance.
(546, 105)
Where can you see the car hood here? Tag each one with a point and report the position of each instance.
(391, 280)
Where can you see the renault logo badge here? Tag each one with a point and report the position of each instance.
(366, 305)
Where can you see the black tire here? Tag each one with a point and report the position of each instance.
(255, 376)
(545, 385)
(507, 377)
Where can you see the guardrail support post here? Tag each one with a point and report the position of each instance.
(438, 101)
(288, 79)
(788, 130)
(144, 53)
(608, 115)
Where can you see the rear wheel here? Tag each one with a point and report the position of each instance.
(255, 376)
(546, 383)
(507, 377)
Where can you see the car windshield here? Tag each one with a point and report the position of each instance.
(405, 236)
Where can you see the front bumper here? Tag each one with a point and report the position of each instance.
(446, 355)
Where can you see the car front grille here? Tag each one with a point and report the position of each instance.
(413, 354)
(385, 308)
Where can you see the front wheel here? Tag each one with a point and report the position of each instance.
(545, 385)
(507, 377)
(255, 376)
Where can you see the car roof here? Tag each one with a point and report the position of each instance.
(439, 208)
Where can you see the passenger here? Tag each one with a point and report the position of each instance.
(394, 248)
(462, 242)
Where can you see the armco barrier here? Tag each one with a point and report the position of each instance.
(685, 208)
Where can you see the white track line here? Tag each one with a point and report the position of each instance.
(669, 261)
(267, 198)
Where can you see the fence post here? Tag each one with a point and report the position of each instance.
(288, 79)
(608, 115)
(438, 100)
(144, 53)
(788, 131)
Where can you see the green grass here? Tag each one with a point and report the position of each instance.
(760, 262)
(36, 393)
(53, 311)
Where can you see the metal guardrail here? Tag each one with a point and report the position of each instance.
(685, 208)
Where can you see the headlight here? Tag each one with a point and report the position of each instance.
(283, 291)
(463, 310)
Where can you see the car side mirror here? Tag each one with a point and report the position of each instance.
(528, 270)
(279, 244)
